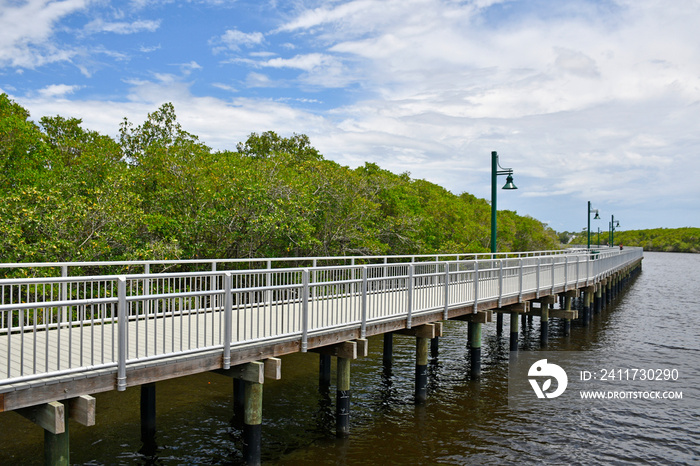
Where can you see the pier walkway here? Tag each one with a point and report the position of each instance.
(96, 328)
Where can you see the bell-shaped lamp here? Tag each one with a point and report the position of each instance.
(509, 183)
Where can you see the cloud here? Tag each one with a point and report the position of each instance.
(57, 90)
(98, 25)
(233, 40)
(26, 30)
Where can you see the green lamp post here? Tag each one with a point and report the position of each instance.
(597, 217)
(613, 224)
(509, 185)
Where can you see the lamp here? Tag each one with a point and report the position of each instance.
(597, 217)
(509, 185)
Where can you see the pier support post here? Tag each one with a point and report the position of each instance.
(252, 426)
(342, 398)
(585, 309)
(388, 352)
(57, 445)
(499, 324)
(544, 323)
(324, 372)
(238, 401)
(598, 298)
(475, 349)
(421, 392)
(434, 347)
(567, 307)
(53, 418)
(148, 413)
(515, 310)
(514, 331)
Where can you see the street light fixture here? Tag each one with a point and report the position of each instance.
(509, 185)
(597, 217)
(613, 224)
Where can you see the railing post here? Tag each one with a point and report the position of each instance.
(410, 294)
(228, 311)
(537, 294)
(553, 275)
(520, 292)
(578, 266)
(500, 282)
(305, 310)
(447, 290)
(122, 321)
(268, 283)
(476, 287)
(64, 293)
(363, 328)
(566, 272)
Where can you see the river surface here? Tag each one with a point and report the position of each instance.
(654, 323)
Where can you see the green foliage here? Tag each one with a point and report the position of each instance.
(662, 239)
(657, 239)
(159, 193)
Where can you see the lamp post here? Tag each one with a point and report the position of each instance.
(598, 236)
(509, 185)
(597, 217)
(613, 224)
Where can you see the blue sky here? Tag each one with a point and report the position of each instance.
(585, 100)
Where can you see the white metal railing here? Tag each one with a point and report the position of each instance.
(53, 326)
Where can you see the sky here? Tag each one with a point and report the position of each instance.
(586, 100)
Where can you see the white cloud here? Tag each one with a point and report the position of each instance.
(26, 29)
(120, 27)
(233, 39)
(57, 90)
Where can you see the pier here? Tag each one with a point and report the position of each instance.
(65, 338)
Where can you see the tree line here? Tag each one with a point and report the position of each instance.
(158, 192)
(685, 239)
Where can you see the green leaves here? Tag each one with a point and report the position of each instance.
(159, 193)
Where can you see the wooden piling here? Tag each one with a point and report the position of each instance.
(514, 331)
(499, 323)
(252, 424)
(148, 413)
(434, 347)
(238, 401)
(57, 445)
(544, 324)
(421, 391)
(342, 398)
(324, 372)
(567, 307)
(475, 349)
(388, 353)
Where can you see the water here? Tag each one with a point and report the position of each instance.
(654, 323)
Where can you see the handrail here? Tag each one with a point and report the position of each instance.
(103, 320)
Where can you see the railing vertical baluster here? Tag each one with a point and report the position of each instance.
(305, 310)
(500, 282)
(122, 320)
(409, 302)
(363, 328)
(520, 293)
(476, 287)
(447, 290)
(228, 309)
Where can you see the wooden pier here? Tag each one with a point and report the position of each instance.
(63, 339)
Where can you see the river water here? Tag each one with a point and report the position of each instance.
(654, 323)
